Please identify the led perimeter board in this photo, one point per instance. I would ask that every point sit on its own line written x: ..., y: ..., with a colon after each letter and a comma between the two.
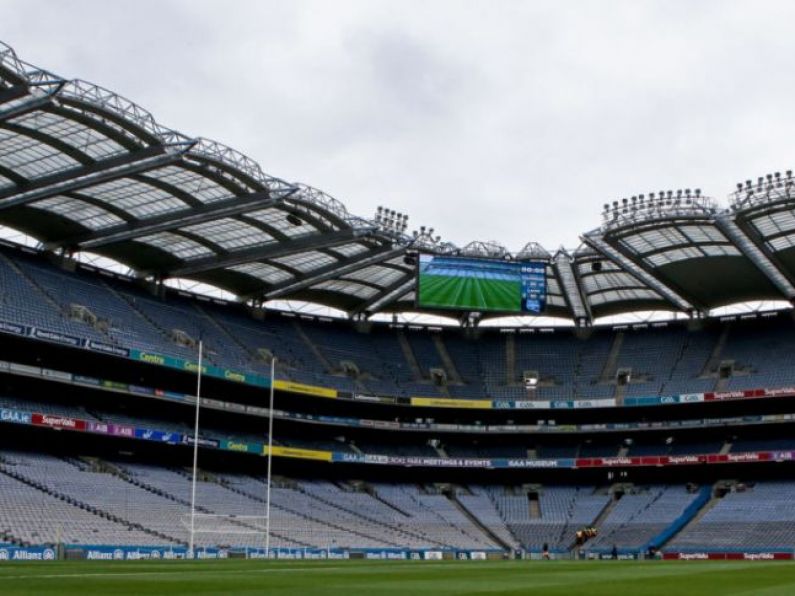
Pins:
x: 462, y: 283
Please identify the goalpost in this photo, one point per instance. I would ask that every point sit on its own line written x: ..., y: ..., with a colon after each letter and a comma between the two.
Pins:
x: 228, y: 524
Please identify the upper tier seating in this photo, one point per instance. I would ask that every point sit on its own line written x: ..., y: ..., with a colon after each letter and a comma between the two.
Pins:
x: 662, y: 360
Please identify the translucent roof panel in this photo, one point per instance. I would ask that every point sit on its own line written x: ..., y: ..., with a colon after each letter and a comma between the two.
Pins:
x: 179, y: 246
x: 277, y: 219
x: 30, y: 158
x: 664, y: 245
x: 347, y: 287
x: 201, y: 187
x: 318, y: 214
x: 83, y: 138
x: 306, y: 261
x: 350, y: 250
x: 86, y: 214
x: 139, y: 199
x: 777, y: 229
x: 613, y: 279
x: 556, y: 300
x: 381, y: 276
x: 651, y: 240
x: 263, y: 272
x: 691, y: 252
x: 782, y: 242
x: 230, y: 233
x: 703, y: 234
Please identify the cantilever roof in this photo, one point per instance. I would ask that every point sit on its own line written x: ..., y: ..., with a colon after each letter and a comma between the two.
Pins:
x: 85, y: 170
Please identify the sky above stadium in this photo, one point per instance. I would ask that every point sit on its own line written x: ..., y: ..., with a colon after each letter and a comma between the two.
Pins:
x: 513, y: 121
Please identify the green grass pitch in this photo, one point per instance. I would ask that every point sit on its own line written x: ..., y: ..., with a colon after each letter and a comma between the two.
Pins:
x: 384, y: 578
x: 474, y: 293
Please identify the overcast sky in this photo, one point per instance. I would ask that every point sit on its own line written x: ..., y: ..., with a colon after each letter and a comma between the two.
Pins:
x: 502, y: 120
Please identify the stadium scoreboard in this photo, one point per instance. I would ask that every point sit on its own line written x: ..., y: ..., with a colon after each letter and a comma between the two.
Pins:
x: 477, y: 284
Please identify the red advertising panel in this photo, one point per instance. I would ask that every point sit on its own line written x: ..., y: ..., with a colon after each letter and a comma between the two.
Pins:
x: 58, y: 422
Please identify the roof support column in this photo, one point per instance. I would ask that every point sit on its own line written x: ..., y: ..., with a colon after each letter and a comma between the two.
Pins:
x: 571, y: 288
x: 750, y: 249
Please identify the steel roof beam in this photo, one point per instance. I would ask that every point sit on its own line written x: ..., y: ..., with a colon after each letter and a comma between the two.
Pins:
x: 570, y: 287
x: 271, y: 250
x: 389, y: 294
x: 332, y: 271
x: 627, y: 263
x: 165, y: 222
x: 756, y: 253
x: 89, y: 175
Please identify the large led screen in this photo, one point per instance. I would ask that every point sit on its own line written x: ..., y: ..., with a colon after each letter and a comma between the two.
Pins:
x: 474, y: 284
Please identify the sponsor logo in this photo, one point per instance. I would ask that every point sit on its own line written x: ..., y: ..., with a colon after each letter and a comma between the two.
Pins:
x: 99, y: 427
x: 99, y: 346
x: 693, y: 556
x: 532, y: 463
x: 21, y: 554
x: 152, y: 358
x: 56, y: 337
x: 531, y: 405
x: 122, y: 431
x: 58, y: 422
x: 194, y: 367
x: 201, y: 441
x: 231, y: 375
x: 12, y: 328
x: 684, y: 459
x: 758, y: 556
x: 743, y: 457
x: 616, y: 461
x: 668, y: 399
x: 15, y: 416
x: 232, y: 446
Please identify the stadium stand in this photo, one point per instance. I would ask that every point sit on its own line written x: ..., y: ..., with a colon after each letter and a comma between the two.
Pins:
x: 662, y: 360
x: 92, y: 184
x: 750, y: 516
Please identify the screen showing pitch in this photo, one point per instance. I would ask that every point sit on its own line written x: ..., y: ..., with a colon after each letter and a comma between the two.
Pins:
x: 481, y: 284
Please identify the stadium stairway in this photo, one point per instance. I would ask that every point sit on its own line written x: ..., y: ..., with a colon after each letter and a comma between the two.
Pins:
x: 313, y: 349
x: 715, y: 495
x: 680, y: 356
x: 711, y: 365
x: 453, y: 497
x: 603, y: 514
x: 86, y: 506
x: 408, y: 354
x: 449, y: 365
x: 611, y: 364
x: 33, y: 283
x: 510, y: 359
x: 224, y: 331
x: 148, y: 321
x: 696, y: 509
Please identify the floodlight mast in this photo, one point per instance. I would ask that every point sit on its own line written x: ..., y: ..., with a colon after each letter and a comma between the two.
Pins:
x: 270, y: 459
x: 195, y: 452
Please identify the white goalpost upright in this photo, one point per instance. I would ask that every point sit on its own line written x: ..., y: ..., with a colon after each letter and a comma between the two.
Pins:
x: 229, y: 524
x: 195, y: 452
x: 270, y: 459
